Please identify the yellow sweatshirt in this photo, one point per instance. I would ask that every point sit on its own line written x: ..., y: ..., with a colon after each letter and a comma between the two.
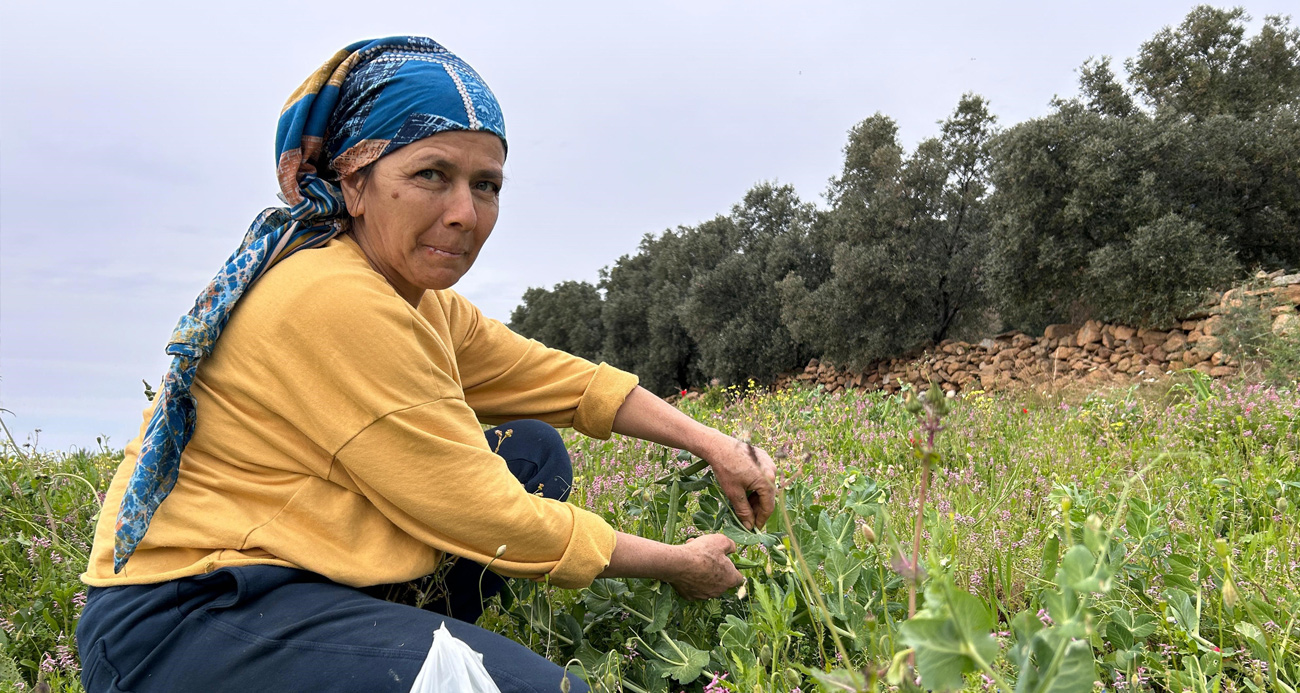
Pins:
x: 338, y: 432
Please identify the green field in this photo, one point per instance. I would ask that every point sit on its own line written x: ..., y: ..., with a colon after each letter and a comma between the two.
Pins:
x: 1146, y: 537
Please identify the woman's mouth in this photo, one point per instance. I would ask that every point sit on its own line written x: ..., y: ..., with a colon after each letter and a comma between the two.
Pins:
x: 443, y: 253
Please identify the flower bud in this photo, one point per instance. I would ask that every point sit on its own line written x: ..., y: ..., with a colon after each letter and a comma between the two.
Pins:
x: 501, y: 551
x: 1221, y: 548
x: 1229, y: 594
x: 868, y: 534
x: 1066, y: 504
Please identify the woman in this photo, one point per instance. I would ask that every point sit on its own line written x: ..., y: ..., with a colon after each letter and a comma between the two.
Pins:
x: 323, y: 440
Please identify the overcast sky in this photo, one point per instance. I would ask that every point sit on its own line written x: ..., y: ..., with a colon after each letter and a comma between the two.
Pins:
x: 136, y: 140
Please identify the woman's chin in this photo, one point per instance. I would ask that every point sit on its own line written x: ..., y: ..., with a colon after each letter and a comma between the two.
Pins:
x: 444, y: 279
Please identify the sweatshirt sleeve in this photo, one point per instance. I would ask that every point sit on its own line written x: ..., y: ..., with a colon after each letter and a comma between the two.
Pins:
x: 428, y: 469
x: 506, y: 376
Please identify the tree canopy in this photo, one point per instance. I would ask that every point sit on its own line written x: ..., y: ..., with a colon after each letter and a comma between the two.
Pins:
x: 1122, y: 203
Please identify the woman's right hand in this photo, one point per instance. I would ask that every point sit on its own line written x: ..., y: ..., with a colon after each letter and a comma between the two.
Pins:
x: 698, y: 569
x: 701, y: 569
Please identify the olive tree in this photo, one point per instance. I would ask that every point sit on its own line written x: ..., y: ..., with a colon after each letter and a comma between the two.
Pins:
x: 567, y: 317
x: 906, y: 235
x: 733, y: 309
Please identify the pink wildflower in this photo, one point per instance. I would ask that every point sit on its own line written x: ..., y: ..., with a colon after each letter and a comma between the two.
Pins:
x: 715, y: 686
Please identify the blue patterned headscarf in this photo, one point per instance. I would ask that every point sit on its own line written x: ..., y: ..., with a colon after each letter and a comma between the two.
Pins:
x: 368, y: 100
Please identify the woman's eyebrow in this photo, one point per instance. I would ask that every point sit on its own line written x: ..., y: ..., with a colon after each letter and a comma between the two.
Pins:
x: 449, y: 167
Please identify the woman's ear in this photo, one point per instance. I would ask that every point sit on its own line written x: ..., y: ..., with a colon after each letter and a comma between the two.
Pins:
x: 354, y: 186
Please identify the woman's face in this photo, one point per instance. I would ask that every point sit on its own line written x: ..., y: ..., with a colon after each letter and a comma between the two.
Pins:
x: 427, y: 208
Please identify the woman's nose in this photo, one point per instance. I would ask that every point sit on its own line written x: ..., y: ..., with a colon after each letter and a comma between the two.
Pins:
x: 460, y: 212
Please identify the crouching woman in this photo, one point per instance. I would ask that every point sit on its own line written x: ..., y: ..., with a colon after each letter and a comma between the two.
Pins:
x: 317, y: 437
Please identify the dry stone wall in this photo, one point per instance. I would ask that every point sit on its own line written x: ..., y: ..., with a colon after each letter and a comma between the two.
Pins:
x: 1089, y: 353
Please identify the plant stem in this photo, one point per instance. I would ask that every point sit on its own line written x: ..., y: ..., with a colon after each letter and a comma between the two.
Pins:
x: 916, y: 538
x: 811, y: 581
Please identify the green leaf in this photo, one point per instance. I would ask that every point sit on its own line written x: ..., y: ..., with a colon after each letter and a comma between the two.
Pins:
x: 855, y: 620
x: 1025, y: 625
x: 948, y: 645
x: 1119, y: 631
x: 663, y: 609
x: 1181, y: 565
x: 1094, y: 537
x: 1179, y: 581
x: 1143, y: 626
x: 1126, y: 629
x: 8, y: 670
x: 1051, y: 557
x: 1138, y: 519
x: 1076, y: 568
x: 568, y: 626
x: 682, y: 662
x: 842, y: 569
x: 603, y: 596
x: 1180, y: 606
x: 590, y: 658
x: 735, y: 634
x: 898, y: 667
x: 835, y: 532
x: 1254, y: 639
x: 838, y: 680
x: 709, y: 524
x: 742, y: 536
x: 1064, y: 665
x: 940, y: 658
x: 809, y: 543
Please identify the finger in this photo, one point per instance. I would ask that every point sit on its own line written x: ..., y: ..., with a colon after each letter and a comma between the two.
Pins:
x: 756, y: 507
x: 730, y: 546
x: 765, y: 504
x: 740, y: 503
x: 737, y: 580
x: 731, y: 579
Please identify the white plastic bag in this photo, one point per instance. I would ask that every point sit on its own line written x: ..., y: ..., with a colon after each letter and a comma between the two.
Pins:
x: 452, y: 667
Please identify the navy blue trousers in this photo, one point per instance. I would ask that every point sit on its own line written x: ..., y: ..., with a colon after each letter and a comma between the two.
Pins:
x: 269, y: 628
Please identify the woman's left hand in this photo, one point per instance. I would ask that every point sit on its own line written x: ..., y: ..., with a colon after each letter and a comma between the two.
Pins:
x: 747, y: 476
x: 745, y: 473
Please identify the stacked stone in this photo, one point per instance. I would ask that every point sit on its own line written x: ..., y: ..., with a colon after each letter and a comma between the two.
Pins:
x: 1090, y: 353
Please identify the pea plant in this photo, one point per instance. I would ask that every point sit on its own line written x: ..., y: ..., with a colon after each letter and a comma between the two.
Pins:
x: 1140, y: 539
x: 638, y: 635
x: 857, y: 585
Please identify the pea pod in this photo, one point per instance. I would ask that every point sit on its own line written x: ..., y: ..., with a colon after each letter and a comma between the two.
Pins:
x: 674, y: 499
x: 696, y: 468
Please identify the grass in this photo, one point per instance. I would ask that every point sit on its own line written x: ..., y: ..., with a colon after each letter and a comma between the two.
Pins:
x: 1180, y: 466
